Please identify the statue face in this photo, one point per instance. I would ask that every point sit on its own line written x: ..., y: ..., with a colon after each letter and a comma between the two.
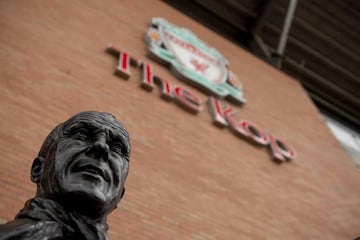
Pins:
x: 87, y: 165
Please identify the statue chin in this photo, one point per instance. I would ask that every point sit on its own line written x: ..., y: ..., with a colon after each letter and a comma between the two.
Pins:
x: 84, y: 197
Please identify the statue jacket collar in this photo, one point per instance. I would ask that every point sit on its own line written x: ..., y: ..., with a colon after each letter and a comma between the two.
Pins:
x: 46, y: 219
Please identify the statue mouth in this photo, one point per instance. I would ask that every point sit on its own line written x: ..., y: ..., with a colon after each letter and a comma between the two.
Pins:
x: 91, y: 169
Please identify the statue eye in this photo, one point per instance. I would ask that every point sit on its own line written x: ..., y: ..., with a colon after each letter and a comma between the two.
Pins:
x: 81, y: 134
x: 117, y: 147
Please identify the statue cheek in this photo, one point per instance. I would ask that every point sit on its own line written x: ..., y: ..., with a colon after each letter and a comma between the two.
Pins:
x: 124, y: 170
x: 68, y: 149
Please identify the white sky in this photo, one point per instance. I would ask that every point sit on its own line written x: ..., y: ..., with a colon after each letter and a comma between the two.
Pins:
x: 345, y: 135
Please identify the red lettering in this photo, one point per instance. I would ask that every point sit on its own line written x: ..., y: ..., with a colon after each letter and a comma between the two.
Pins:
x: 217, y: 112
x: 280, y: 150
x: 147, y: 77
x: 222, y: 116
x: 165, y: 88
x: 254, y: 133
x: 124, y: 61
x: 148, y: 80
x: 187, y: 100
x: 235, y: 127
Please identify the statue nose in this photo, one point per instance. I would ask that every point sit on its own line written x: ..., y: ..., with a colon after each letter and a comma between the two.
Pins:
x: 100, y: 149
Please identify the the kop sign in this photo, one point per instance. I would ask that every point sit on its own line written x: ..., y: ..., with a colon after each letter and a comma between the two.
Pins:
x: 194, y: 62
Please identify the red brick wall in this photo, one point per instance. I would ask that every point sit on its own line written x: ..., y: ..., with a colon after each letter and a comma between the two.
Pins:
x: 188, y: 178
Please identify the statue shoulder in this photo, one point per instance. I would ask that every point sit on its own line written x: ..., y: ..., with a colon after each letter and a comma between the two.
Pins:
x: 28, y: 229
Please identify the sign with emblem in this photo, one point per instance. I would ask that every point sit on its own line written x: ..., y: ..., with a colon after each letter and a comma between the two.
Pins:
x: 202, y: 66
x: 192, y: 60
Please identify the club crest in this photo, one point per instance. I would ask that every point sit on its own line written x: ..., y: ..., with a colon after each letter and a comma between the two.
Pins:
x: 192, y: 60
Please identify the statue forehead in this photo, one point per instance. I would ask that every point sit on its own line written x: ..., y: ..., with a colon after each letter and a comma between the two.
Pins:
x: 95, y: 119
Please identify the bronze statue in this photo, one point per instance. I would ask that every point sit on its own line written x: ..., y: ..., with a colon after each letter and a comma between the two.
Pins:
x: 80, y: 173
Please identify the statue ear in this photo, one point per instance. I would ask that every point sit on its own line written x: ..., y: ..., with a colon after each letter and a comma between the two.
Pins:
x: 121, y: 196
x: 123, y: 192
x: 37, y: 169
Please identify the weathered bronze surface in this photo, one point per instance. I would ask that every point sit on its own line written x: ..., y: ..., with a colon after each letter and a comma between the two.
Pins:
x: 80, y: 173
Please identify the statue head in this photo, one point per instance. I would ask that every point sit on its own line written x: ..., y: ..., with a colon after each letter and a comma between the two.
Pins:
x: 83, y: 164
